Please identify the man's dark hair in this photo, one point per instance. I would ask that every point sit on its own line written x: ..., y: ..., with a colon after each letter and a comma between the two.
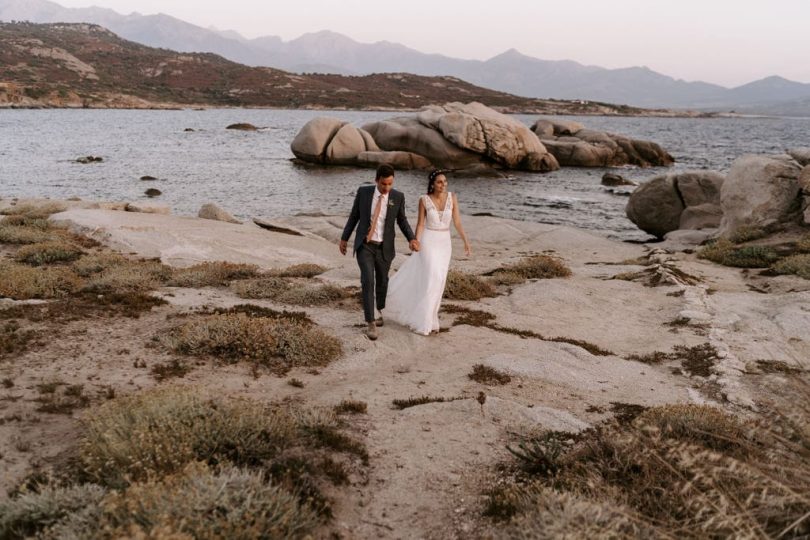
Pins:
x: 384, y: 171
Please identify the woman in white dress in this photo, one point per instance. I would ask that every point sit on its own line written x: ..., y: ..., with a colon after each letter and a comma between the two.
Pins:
x: 415, y: 292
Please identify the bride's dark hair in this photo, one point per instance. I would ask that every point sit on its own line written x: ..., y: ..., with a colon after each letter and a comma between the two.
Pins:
x: 434, y: 174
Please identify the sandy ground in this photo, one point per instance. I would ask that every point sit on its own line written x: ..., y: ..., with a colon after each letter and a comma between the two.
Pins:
x: 430, y: 463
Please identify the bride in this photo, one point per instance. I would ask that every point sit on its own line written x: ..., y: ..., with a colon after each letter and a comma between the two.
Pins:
x: 415, y: 292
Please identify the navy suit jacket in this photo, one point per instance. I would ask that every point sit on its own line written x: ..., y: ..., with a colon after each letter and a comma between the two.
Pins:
x: 360, y: 217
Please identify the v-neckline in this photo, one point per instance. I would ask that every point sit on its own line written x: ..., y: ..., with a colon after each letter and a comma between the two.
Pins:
x: 434, y: 204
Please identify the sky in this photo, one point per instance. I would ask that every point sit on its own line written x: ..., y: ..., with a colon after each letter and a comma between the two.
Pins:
x: 726, y: 42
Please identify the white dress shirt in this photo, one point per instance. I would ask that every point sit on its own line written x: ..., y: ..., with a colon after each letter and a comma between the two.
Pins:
x: 378, y: 231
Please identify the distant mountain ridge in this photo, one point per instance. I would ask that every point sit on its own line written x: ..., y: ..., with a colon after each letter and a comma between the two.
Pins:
x: 86, y: 65
x: 511, y: 71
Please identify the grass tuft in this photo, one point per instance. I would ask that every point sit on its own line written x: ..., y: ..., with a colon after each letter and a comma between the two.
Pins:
x: 534, y: 267
x: 414, y: 401
x: 170, y: 370
x: 488, y: 375
x: 22, y: 282
x: 348, y: 406
x: 798, y: 265
x: 724, y: 252
x: 464, y: 286
x: 304, y: 270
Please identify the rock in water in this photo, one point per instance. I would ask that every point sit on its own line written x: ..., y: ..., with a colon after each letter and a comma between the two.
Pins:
x: 90, y: 159
x: 659, y: 205
x: 243, y: 127
x: 311, y: 142
x: 148, y: 178
x: 212, y: 211
x: 613, y: 180
x: 152, y: 192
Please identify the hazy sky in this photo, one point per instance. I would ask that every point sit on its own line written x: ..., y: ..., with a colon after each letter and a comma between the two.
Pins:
x: 728, y: 42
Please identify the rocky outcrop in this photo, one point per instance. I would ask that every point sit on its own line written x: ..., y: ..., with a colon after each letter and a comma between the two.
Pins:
x: 687, y: 200
x: 455, y: 136
x: 801, y: 155
x: 575, y: 146
x: 331, y: 141
x: 804, y: 183
x: 614, y: 180
x: 212, y: 211
x: 761, y: 192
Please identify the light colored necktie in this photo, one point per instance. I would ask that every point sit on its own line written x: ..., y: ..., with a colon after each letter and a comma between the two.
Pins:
x: 373, y: 228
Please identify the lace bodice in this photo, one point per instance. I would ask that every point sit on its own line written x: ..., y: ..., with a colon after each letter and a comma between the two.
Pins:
x: 437, y: 219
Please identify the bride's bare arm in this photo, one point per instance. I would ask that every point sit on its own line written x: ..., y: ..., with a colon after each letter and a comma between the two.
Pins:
x: 459, y: 228
x: 420, y: 221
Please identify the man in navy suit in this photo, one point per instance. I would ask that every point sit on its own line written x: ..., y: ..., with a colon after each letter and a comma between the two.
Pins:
x: 374, y: 211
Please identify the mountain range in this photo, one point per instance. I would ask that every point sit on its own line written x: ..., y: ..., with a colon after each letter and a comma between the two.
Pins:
x: 511, y: 71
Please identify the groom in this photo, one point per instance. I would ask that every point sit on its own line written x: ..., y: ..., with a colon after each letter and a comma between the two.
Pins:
x: 373, y: 213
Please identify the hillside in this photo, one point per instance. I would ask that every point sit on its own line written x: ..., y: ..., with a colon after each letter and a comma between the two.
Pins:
x: 85, y: 65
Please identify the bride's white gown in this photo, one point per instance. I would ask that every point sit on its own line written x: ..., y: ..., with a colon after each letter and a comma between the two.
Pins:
x: 415, y: 292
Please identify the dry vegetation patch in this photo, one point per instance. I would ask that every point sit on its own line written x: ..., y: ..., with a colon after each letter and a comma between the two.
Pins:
x: 48, y: 253
x: 14, y: 340
x: 414, y: 401
x: 172, y: 463
x: 22, y: 282
x: 303, y: 270
x: 132, y: 276
x: 349, y: 406
x: 725, y: 252
x: 277, y: 343
x: 534, y: 267
x: 488, y: 375
x: 685, y: 471
x: 798, y: 265
x: 211, y: 274
x: 464, y: 286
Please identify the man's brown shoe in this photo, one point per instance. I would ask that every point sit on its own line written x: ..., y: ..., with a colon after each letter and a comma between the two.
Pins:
x: 371, y: 331
x: 379, y: 322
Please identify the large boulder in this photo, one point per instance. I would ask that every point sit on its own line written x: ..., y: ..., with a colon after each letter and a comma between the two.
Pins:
x: 575, y: 146
x: 804, y: 184
x: 398, y: 160
x: 345, y: 145
x: 801, y: 155
x: 503, y: 139
x: 761, y: 192
x: 409, y: 135
x: 686, y: 200
x: 311, y: 142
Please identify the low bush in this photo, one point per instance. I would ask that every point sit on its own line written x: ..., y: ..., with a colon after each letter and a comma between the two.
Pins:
x: 348, y: 406
x: 803, y: 244
x: 312, y: 295
x: 276, y: 343
x: 158, y: 432
x: 464, y: 286
x: 98, y: 262
x: 747, y: 234
x: 304, y: 270
x: 211, y: 274
x: 687, y: 471
x: 22, y: 282
x: 131, y: 277
x: 13, y: 340
x: 32, y: 512
x: 724, y: 252
x: 266, y: 287
x: 24, y: 221
x: 15, y: 234
x: 47, y: 253
x: 798, y: 265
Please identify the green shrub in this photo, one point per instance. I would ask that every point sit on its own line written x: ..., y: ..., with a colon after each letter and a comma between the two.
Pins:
x: 795, y: 264
x: 22, y: 282
x: 158, y: 432
x: 464, y: 286
x: 47, y: 253
x: 214, y: 274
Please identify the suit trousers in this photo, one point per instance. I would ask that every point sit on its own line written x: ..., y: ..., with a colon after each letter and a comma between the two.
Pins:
x: 373, y: 277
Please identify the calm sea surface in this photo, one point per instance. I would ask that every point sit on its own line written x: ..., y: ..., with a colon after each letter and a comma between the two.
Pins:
x: 250, y: 173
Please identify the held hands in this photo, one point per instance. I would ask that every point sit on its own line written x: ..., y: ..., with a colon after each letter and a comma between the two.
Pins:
x: 414, y: 245
x: 342, y: 246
